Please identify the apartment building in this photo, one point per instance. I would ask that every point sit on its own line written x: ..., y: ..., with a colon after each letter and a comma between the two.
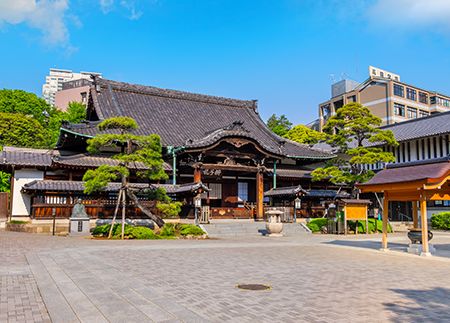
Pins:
x: 386, y: 96
x: 54, y: 82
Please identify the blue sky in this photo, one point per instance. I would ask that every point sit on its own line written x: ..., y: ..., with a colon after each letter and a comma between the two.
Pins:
x: 285, y: 53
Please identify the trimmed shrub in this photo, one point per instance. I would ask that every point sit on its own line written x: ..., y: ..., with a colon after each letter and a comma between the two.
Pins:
x: 372, y: 229
x: 141, y: 233
x: 189, y: 229
x: 441, y: 221
x: 169, y: 210
x: 315, y: 225
x: 101, y: 230
x: 168, y: 230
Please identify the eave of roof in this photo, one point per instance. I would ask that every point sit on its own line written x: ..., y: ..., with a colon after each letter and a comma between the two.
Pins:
x: 182, y: 117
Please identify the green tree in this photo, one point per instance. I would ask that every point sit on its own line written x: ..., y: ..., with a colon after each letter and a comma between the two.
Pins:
x: 5, y: 181
x: 349, y: 131
x: 304, y: 135
x: 20, y: 130
x: 280, y: 125
x: 76, y: 112
x: 49, y: 118
x: 133, y: 148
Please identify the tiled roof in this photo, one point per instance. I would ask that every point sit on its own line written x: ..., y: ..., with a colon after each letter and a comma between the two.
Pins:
x: 295, y: 190
x: 433, y: 125
x: 284, y: 191
x: 43, y: 158
x: 88, y: 161
x: 356, y: 201
x: 78, y: 186
x: 51, y: 158
x: 284, y: 171
x: 187, y: 119
x: 410, y: 173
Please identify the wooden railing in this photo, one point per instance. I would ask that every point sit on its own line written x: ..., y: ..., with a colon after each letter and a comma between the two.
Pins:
x: 100, y: 208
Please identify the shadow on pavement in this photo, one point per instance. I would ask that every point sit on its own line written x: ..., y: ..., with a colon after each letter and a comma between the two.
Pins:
x: 367, y: 244
x: 429, y: 305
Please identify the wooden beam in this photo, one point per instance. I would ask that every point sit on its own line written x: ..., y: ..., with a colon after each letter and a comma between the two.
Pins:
x: 424, y: 224
x: 384, y: 243
x: 259, y: 196
x: 415, y: 215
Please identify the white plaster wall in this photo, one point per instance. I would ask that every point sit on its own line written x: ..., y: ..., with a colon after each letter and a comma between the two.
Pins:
x: 21, y: 204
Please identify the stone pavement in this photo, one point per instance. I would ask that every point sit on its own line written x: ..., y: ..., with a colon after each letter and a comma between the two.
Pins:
x: 313, y: 279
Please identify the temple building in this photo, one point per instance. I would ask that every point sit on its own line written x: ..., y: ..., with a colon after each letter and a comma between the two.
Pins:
x: 215, y: 148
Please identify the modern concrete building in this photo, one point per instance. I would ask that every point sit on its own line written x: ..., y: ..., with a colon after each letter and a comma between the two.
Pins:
x: 72, y: 91
x: 54, y: 82
x: 386, y: 96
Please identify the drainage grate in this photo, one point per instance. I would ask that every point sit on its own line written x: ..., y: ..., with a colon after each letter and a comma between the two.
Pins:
x: 253, y: 286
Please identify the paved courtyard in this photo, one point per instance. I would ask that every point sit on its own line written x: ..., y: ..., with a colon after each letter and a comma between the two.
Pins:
x: 313, y: 279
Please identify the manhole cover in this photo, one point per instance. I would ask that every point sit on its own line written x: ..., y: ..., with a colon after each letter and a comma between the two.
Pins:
x: 253, y: 286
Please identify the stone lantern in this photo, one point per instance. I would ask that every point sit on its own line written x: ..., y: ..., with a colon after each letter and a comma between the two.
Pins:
x: 274, y: 226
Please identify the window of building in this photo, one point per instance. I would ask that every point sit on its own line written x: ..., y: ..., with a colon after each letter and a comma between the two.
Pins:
x: 382, y: 74
x: 443, y: 102
x: 434, y: 146
x: 423, y: 114
x: 242, y: 191
x: 411, y: 94
x: 326, y: 111
x: 423, y: 149
x: 374, y: 72
x: 351, y: 98
x: 412, y: 113
x: 399, y: 109
x: 417, y: 150
x: 429, y: 148
x: 399, y: 90
x: 215, y: 191
x: 408, y: 149
x: 423, y: 97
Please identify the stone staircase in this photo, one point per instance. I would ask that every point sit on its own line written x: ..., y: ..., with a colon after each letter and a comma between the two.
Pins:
x: 398, y: 226
x: 239, y: 228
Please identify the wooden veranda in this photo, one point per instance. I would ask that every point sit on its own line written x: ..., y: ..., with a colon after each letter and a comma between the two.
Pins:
x: 417, y: 183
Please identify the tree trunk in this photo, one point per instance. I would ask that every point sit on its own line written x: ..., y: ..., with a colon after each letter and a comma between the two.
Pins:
x: 116, y: 210
x: 155, y: 218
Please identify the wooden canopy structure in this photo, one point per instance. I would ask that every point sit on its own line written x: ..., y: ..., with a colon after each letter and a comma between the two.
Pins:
x: 416, y: 183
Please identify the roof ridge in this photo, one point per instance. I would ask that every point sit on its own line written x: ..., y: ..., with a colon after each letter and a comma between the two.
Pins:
x: 151, y: 90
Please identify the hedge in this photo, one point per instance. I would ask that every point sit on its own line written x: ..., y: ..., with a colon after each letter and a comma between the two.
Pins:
x: 441, y: 221
x: 315, y: 225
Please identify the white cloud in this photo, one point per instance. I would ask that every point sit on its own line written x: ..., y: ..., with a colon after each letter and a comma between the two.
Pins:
x: 106, y: 5
x: 130, y: 7
x: 45, y: 15
x: 412, y: 13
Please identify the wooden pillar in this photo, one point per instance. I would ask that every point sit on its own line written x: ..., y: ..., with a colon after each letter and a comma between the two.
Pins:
x: 424, y: 225
x: 259, y: 195
x: 415, y: 215
x: 197, y: 175
x: 384, y: 243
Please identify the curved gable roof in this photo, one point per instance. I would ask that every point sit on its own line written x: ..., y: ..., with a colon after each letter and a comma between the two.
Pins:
x: 184, y: 119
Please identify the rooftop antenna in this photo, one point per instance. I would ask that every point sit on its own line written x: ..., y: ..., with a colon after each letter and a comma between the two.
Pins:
x: 333, y: 78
